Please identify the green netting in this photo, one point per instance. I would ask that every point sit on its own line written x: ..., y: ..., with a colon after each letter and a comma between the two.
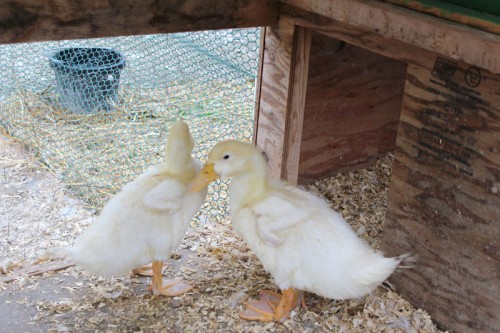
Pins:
x: 97, y: 111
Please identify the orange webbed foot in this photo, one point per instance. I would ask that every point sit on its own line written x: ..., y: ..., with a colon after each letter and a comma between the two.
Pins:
x: 147, y: 270
x: 167, y: 287
x: 273, y: 306
x: 170, y: 287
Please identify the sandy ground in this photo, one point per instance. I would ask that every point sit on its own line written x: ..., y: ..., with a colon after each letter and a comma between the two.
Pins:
x: 39, y: 218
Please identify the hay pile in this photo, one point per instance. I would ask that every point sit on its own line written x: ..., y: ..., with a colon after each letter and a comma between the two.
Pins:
x: 96, y: 154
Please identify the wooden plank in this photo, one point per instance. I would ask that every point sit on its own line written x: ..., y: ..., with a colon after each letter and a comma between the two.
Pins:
x: 282, y: 96
x: 365, y: 39
x: 391, y: 22
x: 352, y: 108
x: 273, y: 94
x: 485, y: 6
x: 478, y: 18
x: 296, y: 104
x: 444, y: 197
x: 33, y: 20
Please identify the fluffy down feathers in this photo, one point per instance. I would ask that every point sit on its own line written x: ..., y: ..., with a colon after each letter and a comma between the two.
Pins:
x: 147, y: 219
x: 306, y: 245
x: 299, y: 239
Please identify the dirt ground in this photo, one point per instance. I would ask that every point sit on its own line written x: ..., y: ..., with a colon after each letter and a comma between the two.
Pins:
x: 39, y: 218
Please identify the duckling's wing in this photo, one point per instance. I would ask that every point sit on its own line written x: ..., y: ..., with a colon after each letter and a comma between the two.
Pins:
x: 166, y: 195
x: 275, y: 213
x: 266, y: 233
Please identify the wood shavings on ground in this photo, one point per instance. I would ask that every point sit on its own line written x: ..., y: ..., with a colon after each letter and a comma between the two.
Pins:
x: 37, y: 216
x: 223, y: 270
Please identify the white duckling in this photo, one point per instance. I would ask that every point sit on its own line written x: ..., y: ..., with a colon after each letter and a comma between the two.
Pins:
x: 300, y: 240
x: 147, y: 219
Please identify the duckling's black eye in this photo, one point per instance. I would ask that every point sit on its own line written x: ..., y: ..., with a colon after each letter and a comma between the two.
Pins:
x: 226, y: 157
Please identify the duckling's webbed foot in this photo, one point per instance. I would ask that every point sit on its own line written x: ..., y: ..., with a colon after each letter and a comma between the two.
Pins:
x: 168, y: 287
x: 272, y: 306
x: 147, y: 270
x: 262, y: 309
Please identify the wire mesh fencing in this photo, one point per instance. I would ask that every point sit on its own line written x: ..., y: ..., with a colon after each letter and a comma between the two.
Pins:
x: 97, y: 111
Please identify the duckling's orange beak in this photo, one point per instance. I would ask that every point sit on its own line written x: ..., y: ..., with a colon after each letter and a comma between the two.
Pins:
x: 205, y: 177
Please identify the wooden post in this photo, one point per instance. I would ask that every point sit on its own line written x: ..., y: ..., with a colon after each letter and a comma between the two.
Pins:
x: 281, y: 97
x: 444, y: 197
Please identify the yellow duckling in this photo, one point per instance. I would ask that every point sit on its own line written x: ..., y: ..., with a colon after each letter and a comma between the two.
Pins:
x: 147, y: 219
x: 300, y: 240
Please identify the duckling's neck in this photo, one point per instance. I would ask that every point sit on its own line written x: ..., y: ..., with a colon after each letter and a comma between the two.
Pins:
x: 246, y: 189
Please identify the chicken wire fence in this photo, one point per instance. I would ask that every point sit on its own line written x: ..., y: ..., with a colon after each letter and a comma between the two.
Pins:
x: 97, y: 111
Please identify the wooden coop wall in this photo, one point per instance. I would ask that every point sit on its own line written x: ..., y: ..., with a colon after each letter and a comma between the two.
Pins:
x: 320, y: 109
x: 352, y: 107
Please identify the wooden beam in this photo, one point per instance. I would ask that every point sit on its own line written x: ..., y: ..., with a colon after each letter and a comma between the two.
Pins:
x: 395, y: 24
x: 282, y: 96
x: 34, y: 20
x: 362, y: 38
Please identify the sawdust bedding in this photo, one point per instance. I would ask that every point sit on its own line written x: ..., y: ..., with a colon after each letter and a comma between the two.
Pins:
x: 39, y: 218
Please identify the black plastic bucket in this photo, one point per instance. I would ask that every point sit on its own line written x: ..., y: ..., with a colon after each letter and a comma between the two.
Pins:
x: 87, y: 79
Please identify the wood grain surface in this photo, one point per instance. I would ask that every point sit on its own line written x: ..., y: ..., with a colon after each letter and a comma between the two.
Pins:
x: 33, y: 20
x: 281, y: 97
x: 394, y: 24
x: 444, y: 197
x: 463, y: 14
x: 352, y: 108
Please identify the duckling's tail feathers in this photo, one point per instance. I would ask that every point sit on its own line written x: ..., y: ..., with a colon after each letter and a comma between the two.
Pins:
x: 406, y: 261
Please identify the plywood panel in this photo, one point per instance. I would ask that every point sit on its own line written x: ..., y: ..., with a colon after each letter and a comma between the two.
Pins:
x: 34, y: 20
x: 444, y: 197
x: 352, y: 107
